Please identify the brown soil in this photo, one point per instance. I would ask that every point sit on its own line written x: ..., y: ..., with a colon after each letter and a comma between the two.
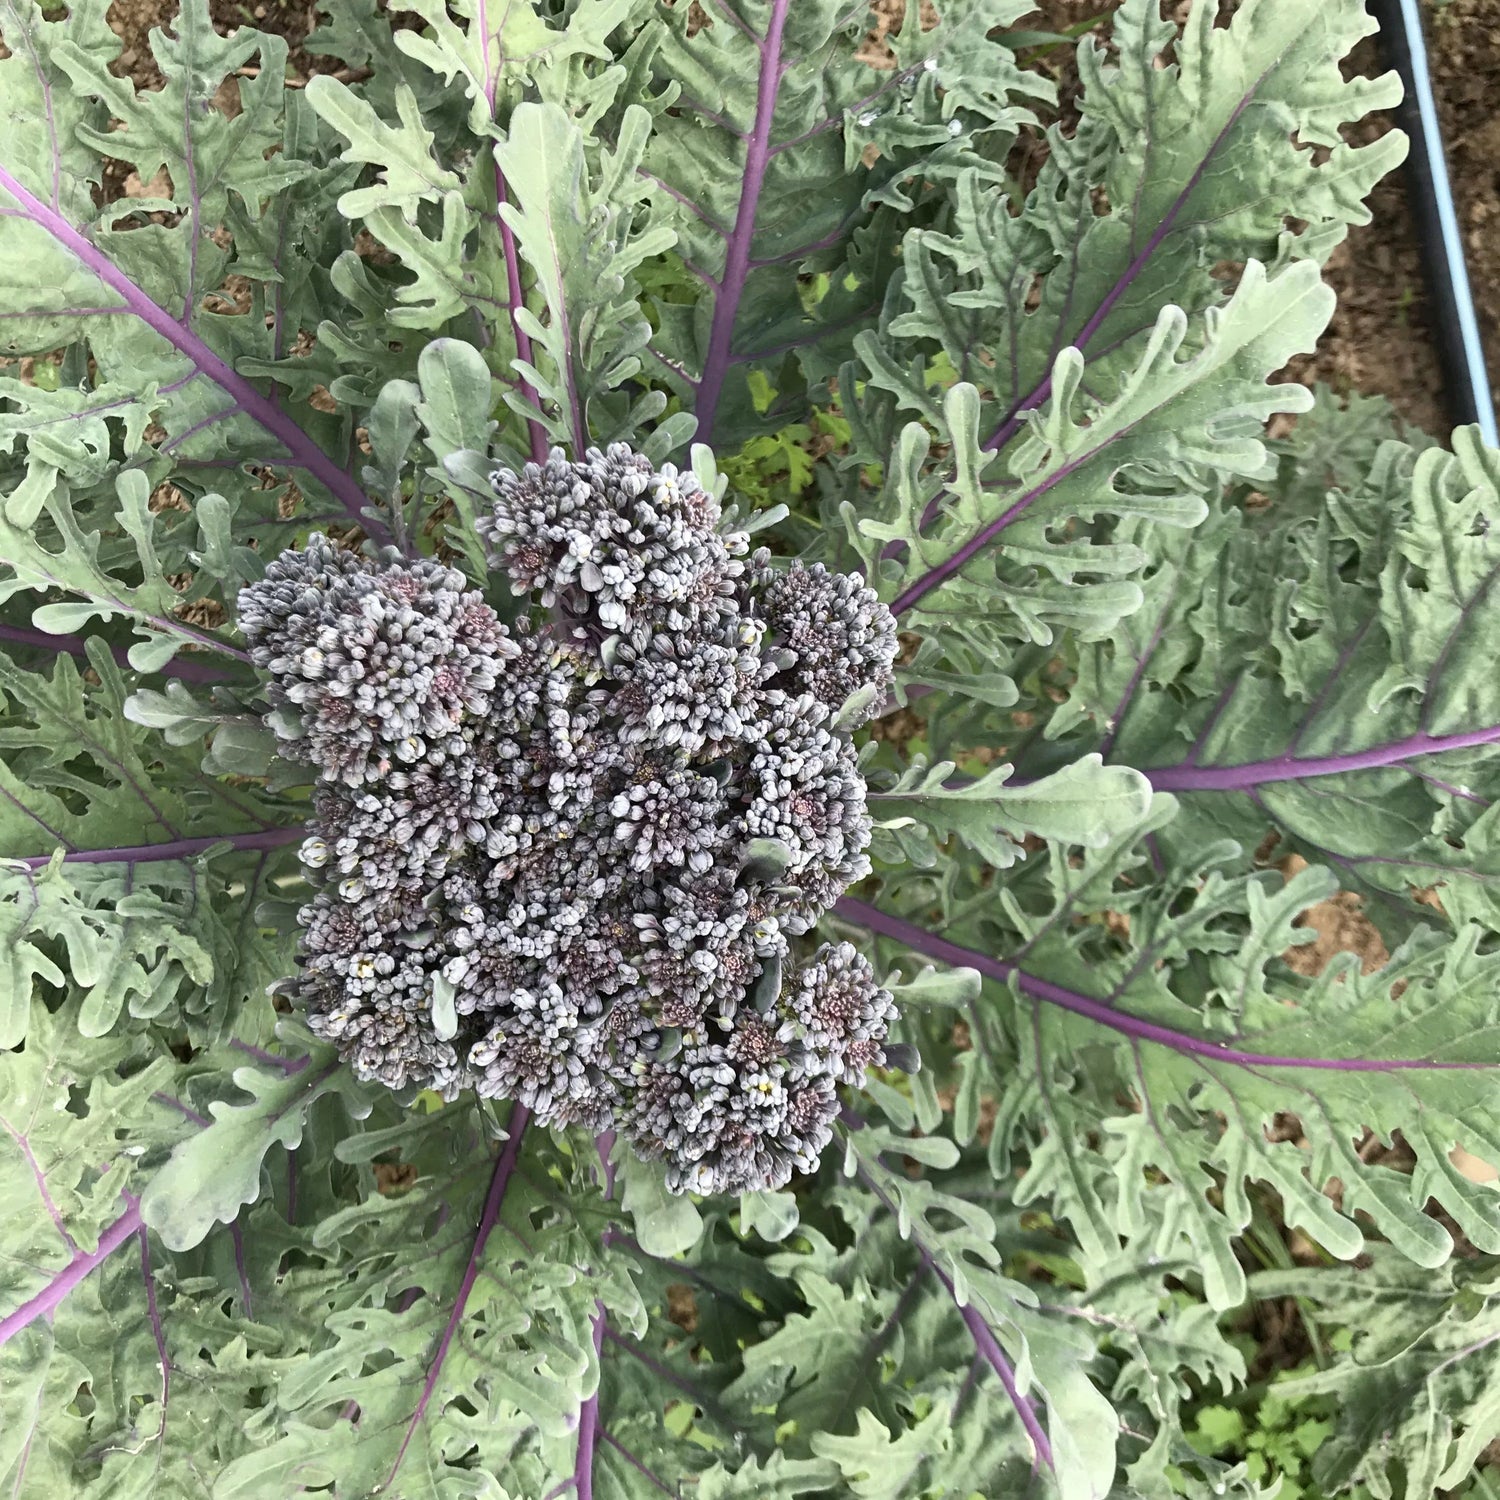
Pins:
x: 1341, y: 927
x: 133, y: 20
x: 1464, y: 36
x: 393, y: 1178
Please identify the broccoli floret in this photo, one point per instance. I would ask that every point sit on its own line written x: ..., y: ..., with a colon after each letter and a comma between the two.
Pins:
x: 570, y: 863
x: 838, y: 635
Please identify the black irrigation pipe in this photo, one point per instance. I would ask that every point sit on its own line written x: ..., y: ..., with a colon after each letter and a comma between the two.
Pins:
x: 1455, y: 324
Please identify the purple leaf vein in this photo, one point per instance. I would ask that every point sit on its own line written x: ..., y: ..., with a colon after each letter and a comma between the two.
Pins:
x: 945, y: 951
x: 299, y: 446
x: 737, y: 251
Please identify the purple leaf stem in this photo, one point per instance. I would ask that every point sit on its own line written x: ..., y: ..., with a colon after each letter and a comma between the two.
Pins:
x: 676, y: 368
x: 184, y: 1110
x: 290, y: 1066
x: 41, y: 1182
x: 734, y: 18
x: 588, y: 1421
x: 505, y: 1168
x: 299, y: 445
x: 1334, y: 678
x: 693, y: 107
x: 1453, y: 791
x: 615, y: 1236
x: 537, y: 434
x: 47, y: 1301
x: 1217, y: 712
x: 1193, y: 778
x: 1017, y: 414
x: 237, y: 1235
x: 205, y: 638
x: 711, y: 282
x: 693, y: 208
x: 982, y: 1334
x: 40, y: 822
x: 737, y: 250
x: 665, y: 1373
x: 872, y: 1350
x: 858, y: 107
x: 960, y: 559
x: 1117, y: 718
x: 821, y: 331
x: 157, y: 1331
x: 604, y: 1146
x: 508, y: 245
x: 588, y: 1416
x: 803, y: 251
x: 187, y: 668
x: 989, y: 1346
x: 130, y: 854
x: 636, y: 1464
x: 919, y: 940
x: 212, y: 419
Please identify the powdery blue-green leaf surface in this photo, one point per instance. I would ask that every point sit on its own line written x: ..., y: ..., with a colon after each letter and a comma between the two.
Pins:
x: 1161, y: 1043
x: 214, y: 1173
x: 164, y: 344
x: 578, y: 238
x: 1085, y: 803
x: 789, y: 150
x: 1138, y: 374
x: 1340, y: 691
x: 1151, y: 652
x: 1416, y: 1400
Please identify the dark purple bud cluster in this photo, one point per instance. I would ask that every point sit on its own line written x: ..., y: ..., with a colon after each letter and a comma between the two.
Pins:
x: 572, y: 863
